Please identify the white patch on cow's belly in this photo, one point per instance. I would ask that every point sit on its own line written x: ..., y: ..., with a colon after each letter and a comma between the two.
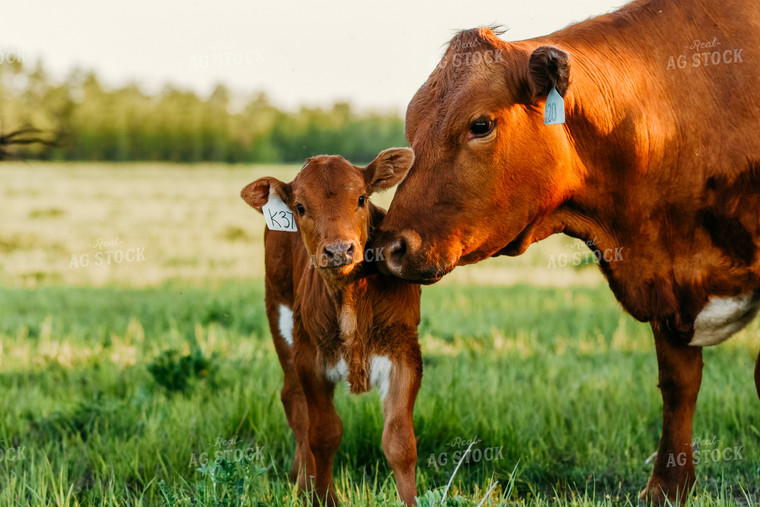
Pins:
x: 286, y: 323
x: 380, y: 374
x: 338, y: 372
x: 722, y: 317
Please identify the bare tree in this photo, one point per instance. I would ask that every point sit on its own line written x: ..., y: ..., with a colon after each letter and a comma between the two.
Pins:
x: 23, y: 136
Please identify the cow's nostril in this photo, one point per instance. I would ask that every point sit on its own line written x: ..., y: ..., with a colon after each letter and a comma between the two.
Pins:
x: 396, y: 252
x: 401, y: 252
x: 350, y: 251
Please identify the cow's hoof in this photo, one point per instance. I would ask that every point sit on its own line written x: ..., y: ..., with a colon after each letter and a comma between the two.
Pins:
x: 650, y: 497
x: 654, y: 494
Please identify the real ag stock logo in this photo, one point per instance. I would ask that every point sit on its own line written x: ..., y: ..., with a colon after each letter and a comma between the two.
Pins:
x: 581, y: 256
x: 107, y: 252
x: 704, y: 54
x: 228, y: 450
x: 12, y: 453
x: 227, y: 53
x: 707, y: 450
x: 464, y: 451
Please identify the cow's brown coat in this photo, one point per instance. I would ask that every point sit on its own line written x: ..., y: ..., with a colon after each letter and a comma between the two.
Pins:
x: 661, y: 163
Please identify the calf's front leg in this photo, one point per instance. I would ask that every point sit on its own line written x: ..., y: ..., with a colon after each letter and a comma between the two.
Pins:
x: 399, y: 443
x: 680, y: 377
x: 325, y: 426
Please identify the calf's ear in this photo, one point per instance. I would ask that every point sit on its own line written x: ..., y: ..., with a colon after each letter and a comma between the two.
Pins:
x: 388, y: 168
x: 258, y: 192
x: 548, y: 67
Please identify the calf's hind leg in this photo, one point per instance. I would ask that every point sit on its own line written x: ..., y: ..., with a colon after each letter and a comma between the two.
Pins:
x: 296, y: 410
x: 325, y: 426
x: 292, y: 396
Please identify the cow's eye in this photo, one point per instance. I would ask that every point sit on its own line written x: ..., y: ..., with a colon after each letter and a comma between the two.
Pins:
x: 301, y: 210
x: 482, y: 127
x: 361, y: 201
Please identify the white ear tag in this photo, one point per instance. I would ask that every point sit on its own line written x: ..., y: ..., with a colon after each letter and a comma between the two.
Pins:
x: 554, y: 111
x: 278, y: 216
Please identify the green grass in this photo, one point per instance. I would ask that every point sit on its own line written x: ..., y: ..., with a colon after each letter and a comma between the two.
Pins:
x: 115, y: 394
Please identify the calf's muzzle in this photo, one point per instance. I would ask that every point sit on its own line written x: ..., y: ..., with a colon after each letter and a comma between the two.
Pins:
x: 336, y: 254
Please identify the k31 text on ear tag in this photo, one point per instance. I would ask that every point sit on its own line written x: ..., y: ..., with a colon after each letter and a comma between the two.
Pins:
x: 554, y: 112
x: 278, y: 216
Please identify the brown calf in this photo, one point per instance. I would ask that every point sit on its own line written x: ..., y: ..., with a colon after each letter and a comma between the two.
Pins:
x: 658, y: 160
x: 331, y: 319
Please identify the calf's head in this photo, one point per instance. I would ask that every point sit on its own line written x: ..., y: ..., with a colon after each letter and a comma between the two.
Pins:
x: 329, y: 199
x: 486, y: 167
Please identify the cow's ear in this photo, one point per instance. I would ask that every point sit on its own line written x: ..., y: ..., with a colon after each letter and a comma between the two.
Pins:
x: 388, y: 168
x: 548, y: 67
x: 257, y: 193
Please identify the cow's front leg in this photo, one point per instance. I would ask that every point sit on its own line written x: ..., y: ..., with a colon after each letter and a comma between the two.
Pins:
x: 399, y: 443
x: 680, y: 377
x: 325, y: 426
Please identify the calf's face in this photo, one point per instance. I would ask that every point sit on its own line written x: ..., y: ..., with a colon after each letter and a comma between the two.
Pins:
x: 329, y: 199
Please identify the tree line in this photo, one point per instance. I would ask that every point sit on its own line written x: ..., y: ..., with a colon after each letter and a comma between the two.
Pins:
x: 80, y: 119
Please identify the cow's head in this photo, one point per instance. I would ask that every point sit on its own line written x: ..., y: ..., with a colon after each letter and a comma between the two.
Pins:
x: 329, y: 199
x: 486, y: 167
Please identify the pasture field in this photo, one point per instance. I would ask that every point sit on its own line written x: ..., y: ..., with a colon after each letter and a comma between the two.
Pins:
x: 154, y: 381
x: 191, y: 223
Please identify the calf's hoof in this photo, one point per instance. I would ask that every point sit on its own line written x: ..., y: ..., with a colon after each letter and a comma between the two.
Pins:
x: 330, y: 500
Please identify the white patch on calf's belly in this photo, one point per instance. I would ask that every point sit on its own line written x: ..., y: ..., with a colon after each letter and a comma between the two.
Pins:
x: 722, y: 317
x: 285, y: 322
x: 380, y: 374
x: 338, y: 372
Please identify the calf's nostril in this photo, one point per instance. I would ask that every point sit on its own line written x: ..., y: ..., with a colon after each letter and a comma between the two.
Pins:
x: 338, y: 253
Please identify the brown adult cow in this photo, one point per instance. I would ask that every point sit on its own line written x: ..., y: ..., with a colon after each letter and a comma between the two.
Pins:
x: 659, y: 155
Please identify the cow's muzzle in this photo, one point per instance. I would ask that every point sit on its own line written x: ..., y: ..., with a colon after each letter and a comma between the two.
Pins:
x: 404, y: 257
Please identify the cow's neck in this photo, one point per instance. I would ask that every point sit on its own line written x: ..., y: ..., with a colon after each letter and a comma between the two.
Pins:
x: 620, y: 156
x: 672, y: 190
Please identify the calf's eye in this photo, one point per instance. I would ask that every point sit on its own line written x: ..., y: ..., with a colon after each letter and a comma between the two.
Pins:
x: 361, y: 201
x: 301, y: 210
x: 482, y: 127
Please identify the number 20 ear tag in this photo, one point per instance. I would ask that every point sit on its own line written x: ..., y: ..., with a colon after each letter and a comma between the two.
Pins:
x: 278, y: 216
x: 554, y: 111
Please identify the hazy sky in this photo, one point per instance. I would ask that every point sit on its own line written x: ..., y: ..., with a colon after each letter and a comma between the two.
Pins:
x: 373, y: 53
